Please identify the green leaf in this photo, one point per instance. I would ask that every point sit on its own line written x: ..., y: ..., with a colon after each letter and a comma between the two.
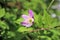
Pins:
x: 36, y: 19
x: 43, y: 5
x: 10, y: 34
x: 2, y: 12
x: 45, y: 38
x: 40, y: 20
x: 2, y: 32
x: 55, y: 32
x: 47, y: 20
x: 25, y: 12
x: 18, y: 21
x: 23, y: 29
x: 3, y: 25
x: 10, y: 16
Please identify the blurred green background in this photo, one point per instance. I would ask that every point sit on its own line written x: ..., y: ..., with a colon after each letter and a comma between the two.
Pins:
x: 46, y: 20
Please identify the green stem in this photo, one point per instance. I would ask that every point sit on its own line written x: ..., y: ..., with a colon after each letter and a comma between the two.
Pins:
x: 50, y: 5
x: 27, y: 37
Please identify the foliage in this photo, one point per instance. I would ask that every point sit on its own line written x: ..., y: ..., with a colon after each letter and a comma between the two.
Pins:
x: 45, y: 27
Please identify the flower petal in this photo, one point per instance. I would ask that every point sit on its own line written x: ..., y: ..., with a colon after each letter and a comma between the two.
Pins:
x: 31, y: 13
x: 26, y: 24
x: 29, y: 25
x: 24, y: 16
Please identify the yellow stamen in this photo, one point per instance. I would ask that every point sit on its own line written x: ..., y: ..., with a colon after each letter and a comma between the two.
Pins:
x: 30, y: 20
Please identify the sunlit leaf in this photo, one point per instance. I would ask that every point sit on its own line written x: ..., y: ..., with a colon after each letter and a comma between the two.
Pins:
x: 24, y: 29
x: 11, y: 34
x: 3, y: 25
x: 2, y: 12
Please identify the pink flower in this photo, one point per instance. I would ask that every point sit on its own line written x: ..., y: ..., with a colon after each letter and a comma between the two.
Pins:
x: 28, y: 19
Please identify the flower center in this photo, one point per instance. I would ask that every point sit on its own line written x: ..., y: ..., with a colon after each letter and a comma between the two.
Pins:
x: 30, y: 20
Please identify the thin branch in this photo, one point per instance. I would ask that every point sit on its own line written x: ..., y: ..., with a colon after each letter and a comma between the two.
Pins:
x: 50, y: 5
x: 38, y: 29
